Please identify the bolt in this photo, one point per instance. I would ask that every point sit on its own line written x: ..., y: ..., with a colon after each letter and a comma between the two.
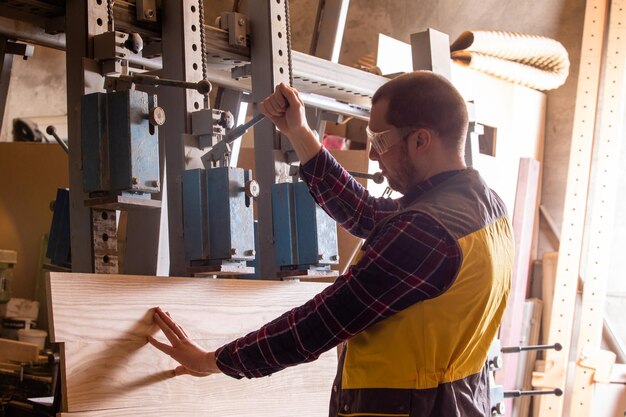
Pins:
x: 252, y: 189
x: 242, y: 21
x: 320, y: 256
x: 241, y: 39
x: 149, y: 13
x: 156, y: 116
x: 334, y: 258
x: 156, y: 183
x: 250, y: 252
x: 233, y: 251
x: 204, y: 87
x: 135, y: 181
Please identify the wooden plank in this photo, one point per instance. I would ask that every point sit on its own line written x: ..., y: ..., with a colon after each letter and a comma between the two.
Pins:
x: 570, y: 248
x: 524, y: 215
x: 601, y: 230
x: 109, y: 369
x: 526, y: 363
x: 549, y: 262
x: 12, y: 350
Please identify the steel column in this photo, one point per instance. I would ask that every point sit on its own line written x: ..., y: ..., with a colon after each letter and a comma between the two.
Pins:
x: 182, y: 60
x: 84, y: 20
x: 270, y: 56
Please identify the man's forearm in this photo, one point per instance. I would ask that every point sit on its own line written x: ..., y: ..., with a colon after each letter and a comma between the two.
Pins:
x: 306, y: 144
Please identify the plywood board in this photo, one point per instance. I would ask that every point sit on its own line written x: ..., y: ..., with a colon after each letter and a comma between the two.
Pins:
x: 109, y: 369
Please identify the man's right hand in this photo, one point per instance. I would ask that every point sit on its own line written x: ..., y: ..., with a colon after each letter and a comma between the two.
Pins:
x: 193, y: 359
x: 286, y: 110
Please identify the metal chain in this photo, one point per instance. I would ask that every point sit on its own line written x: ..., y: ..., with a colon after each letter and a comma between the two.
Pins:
x: 203, y: 47
x: 110, y: 14
x: 202, y: 38
x: 288, y: 36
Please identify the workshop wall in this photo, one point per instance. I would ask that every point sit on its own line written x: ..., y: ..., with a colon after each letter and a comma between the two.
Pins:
x: 30, y: 174
x: 37, y: 89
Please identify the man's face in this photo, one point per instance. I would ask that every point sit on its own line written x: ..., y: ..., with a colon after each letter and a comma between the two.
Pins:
x: 395, y: 164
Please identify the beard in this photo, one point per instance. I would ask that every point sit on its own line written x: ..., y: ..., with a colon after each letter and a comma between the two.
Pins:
x: 403, y: 175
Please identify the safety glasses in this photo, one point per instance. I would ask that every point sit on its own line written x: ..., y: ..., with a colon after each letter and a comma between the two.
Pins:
x: 383, y: 141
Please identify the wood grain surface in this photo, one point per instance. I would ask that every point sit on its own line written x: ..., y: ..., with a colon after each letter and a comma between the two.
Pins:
x: 109, y: 369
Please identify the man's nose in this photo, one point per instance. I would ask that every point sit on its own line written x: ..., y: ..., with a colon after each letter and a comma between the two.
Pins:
x: 373, y: 154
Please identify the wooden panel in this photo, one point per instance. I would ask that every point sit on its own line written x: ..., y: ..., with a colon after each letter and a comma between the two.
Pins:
x: 11, y: 350
x: 109, y: 367
x: 526, y: 209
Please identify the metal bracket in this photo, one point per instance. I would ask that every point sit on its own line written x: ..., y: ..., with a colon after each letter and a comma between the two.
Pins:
x: 243, y: 71
x: 153, y: 49
x: 146, y: 10
x: 109, y: 50
x: 238, y: 28
x: 23, y: 49
x: 431, y: 51
x: 105, y: 251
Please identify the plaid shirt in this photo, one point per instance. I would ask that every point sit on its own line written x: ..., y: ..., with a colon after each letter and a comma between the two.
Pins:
x: 411, y: 260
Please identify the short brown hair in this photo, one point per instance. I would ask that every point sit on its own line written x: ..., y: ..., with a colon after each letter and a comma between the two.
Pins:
x: 426, y: 99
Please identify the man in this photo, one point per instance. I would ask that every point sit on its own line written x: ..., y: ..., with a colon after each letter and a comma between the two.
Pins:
x: 422, y: 305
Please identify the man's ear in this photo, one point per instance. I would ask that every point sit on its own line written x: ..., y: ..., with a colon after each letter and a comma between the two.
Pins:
x: 424, y: 138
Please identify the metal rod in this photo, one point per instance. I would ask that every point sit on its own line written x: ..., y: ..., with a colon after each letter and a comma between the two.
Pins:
x: 202, y: 86
x: 515, y: 349
x: 377, y: 177
x: 517, y: 393
x: 241, y: 129
x: 51, y: 130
